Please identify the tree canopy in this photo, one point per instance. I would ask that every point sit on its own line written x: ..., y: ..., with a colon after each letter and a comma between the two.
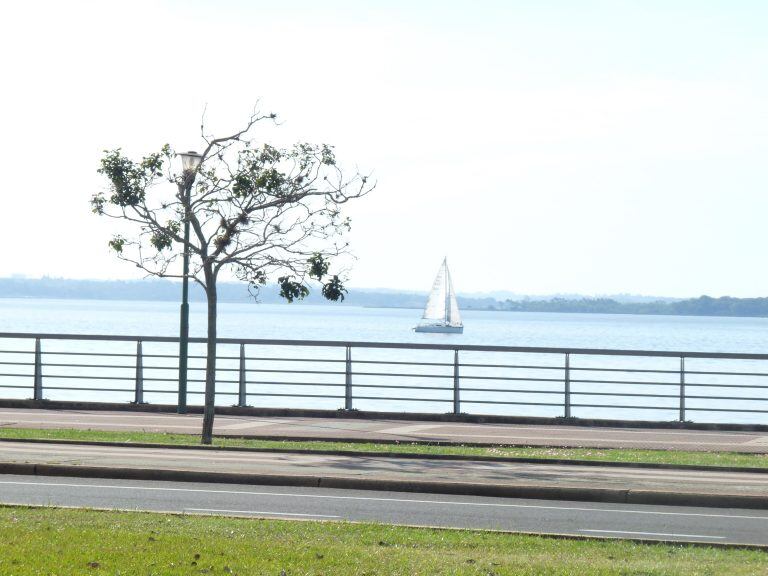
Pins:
x: 261, y: 211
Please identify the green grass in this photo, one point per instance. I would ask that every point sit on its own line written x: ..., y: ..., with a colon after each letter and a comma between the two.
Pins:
x: 50, y: 541
x: 606, y: 455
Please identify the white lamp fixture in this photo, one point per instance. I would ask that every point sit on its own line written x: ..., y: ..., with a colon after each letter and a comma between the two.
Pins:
x: 190, y: 160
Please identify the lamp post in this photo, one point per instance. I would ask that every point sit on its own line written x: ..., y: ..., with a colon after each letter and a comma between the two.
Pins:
x: 190, y: 162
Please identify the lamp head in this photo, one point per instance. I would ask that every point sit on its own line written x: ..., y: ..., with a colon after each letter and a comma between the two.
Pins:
x: 190, y: 161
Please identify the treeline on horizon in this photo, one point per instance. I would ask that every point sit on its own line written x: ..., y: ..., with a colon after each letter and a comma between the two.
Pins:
x: 165, y: 290
x: 702, y: 306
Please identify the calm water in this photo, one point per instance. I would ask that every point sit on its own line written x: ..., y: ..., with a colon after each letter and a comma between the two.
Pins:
x: 394, y: 325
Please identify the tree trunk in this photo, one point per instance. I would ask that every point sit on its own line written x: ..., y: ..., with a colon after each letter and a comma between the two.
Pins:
x: 210, y: 366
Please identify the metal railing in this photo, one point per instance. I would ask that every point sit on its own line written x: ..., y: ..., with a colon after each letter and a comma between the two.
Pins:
x: 564, y: 382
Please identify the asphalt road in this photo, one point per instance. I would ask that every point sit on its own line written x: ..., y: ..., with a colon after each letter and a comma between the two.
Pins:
x: 584, y: 519
x: 392, y: 430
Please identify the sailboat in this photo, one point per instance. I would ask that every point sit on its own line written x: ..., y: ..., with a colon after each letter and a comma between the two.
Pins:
x: 442, y: 312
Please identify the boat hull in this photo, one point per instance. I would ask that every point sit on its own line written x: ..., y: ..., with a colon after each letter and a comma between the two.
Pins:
x: 440, y: 329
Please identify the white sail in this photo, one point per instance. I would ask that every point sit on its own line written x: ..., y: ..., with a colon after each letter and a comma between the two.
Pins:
x: 442, y: 311
x: 453, y: 318
x: 435, y: 309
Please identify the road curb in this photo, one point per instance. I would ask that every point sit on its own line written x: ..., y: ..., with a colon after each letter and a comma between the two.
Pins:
x: 402, y: 455
x: 531, y: 491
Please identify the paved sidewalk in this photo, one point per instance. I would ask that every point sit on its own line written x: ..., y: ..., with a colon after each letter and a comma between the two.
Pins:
x: 391, y: 430
x: 640, y: 485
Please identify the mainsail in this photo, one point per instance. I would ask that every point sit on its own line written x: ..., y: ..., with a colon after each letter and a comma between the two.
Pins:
x: 442, y: 310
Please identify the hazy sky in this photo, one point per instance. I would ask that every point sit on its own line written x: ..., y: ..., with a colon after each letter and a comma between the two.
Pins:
x: 574, y: 146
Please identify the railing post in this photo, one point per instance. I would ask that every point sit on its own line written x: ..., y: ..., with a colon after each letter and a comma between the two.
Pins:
x: 348, y: 380
x: 38, y: 383
x: 139, y: 391
x: 567, y: 390
x: 682, y: 388
x: 456, y: 390
x: 241, y: 396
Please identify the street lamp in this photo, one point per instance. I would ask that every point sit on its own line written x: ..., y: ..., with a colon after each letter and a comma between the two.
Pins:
x: 190, y: 162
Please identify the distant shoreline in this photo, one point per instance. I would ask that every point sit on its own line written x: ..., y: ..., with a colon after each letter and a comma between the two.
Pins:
x: 230, y: 292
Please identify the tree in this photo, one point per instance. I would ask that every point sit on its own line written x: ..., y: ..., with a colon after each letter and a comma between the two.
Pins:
x: 257, y: 211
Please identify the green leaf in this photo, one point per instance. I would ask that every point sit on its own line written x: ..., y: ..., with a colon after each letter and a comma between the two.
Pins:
x: 334, y: 290
x: 291, y: 290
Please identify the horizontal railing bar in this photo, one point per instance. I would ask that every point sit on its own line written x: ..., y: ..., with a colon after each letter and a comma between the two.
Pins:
x: 394, y: 345
x: 16, y: 386
x: 129, y: 355
x: 238, y: 358
x: 687, y: 384
x: 317, y: 384
x: 272, y: 359
x: 189, y: 368
x: 467, y: 401
x: 625, y: 406
x: 635, y: 382
x: 150, y: 367
x: 512, y: 390
x: 403, y: 375
x: 749, y: 398
x: 626, y: 394
x: 294, y: 395
x: 727, y: 373
x: 201, y: 393
x: 192, y: 392
x: 393, y: 362
x: 89, y: 389
x: 639, y: 370
x: 403, y: 387
x: 197, y: 357
x: 58, y: 365
x: 521, y: 366
x: 132, y: 390
x: 84, y: 377
x: 677, y: 384
x: 129, y: 379
x: 17, y: 351
x: 17, y: 363
x: 199, y: 380
x: 403, y: 399
x: 271, y: 383
x: 759, y: 386
x: 55, y: 353
x: 18, y: 375
x: 275, y: 371
x: 203, y: 368
x: 724, y: 410
x: 512, y: 379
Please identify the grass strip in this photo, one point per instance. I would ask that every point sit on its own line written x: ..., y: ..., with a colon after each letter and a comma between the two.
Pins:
x: 70, y: 541
x: 726, y: 459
